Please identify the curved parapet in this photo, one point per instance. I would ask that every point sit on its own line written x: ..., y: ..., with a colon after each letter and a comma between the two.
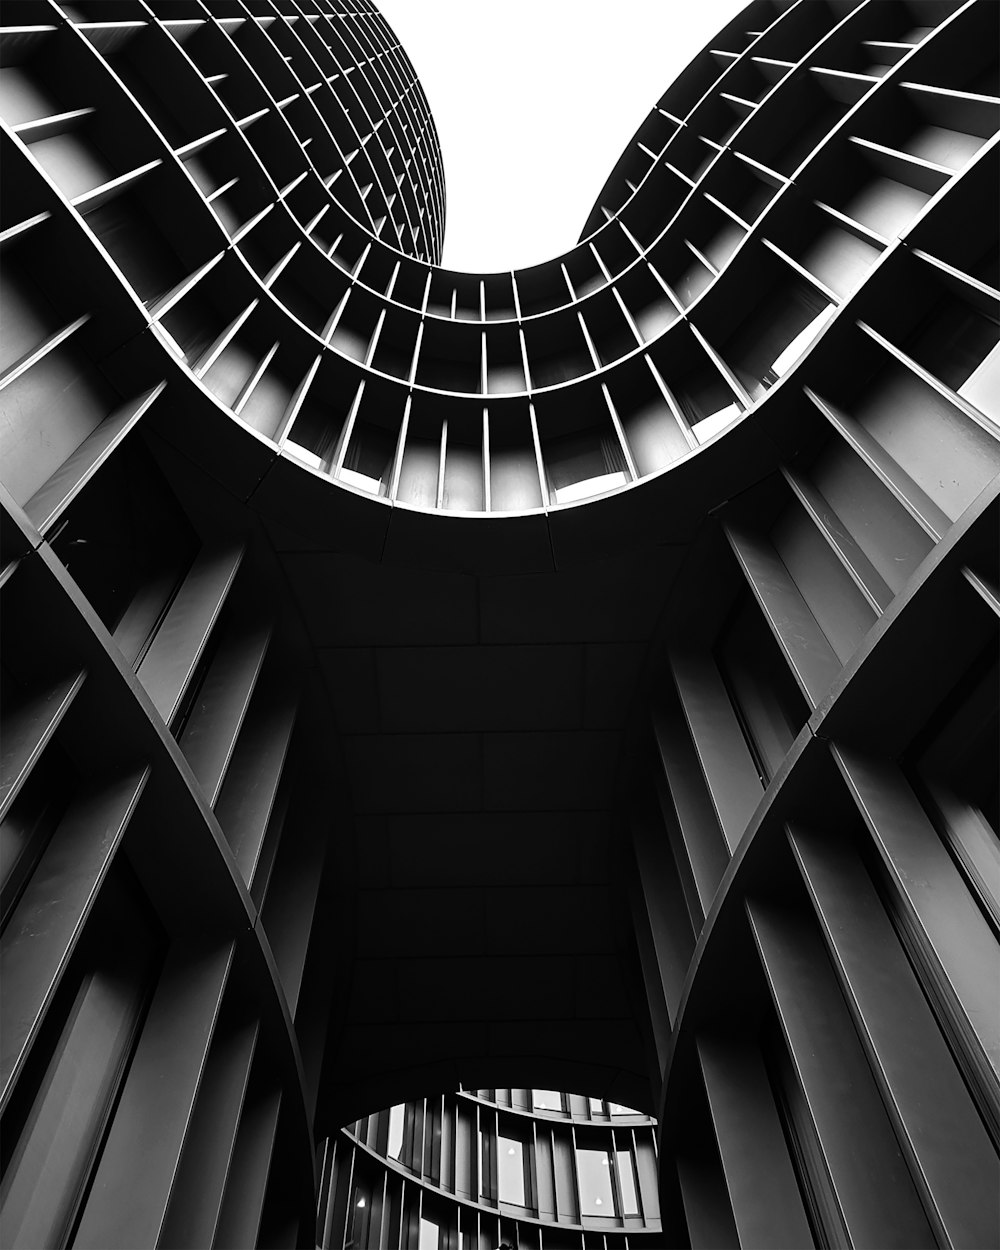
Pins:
x: 582, y: 675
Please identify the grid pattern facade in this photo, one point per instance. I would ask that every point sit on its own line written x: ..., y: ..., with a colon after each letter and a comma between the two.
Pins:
x: 750, y: 757
x: 532, y: 1168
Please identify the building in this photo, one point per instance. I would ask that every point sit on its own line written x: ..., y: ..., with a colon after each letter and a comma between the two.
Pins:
x: 515, y: 1167
x: 372, y: 732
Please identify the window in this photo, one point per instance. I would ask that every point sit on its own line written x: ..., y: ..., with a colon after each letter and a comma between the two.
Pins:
x: 709, y: 426
x: 585, y: 464
x: 429, y: 1235
x: 546, y: 1100
x: 626, y: 1180
x: 304, y: 454
x: 360, y: 1215
x: 590, y: 486
x: 594, y: 1175
x: 510, y: 1167
x: 786, y: 358
x: 361, y: 480
x: 487, y: 1172
x: 397, y: 1115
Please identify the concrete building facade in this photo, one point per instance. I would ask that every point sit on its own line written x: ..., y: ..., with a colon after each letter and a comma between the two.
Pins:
x: 421, y: 688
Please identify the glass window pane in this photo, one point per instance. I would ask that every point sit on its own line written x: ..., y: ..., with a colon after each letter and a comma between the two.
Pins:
x: 594, y: 1173
x: 488, y: 1167
x: 429, y: 1234
x: 590, y: 486
x: 546, y: 1100
x: 396, y: 1116
x: 617, y: 1108
x: 360, y: 1216
x: 510, y: 1165
x: 801, y: 341
x: 626, y: 1178
x: 596, y: 1106
x: 705, y: 429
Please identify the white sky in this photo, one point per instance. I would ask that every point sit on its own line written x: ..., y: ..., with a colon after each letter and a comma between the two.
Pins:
x: 534, y: 102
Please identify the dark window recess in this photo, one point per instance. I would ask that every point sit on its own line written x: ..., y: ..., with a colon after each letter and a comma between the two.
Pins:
x: 32, y: 819
x: 769, y: 342
x: 193, y: 692
x: 55, y: 1123
x: 953, y: 767
x: 955, y: 337
x: 768, y: 703
x: 488, y: 1165
x: 815, y: 1184
x: 126, y: 546
x: 432, y: 1142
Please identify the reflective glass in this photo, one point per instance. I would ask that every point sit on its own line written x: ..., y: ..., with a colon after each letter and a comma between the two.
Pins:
x: 304, y: 454
x: 361, y: 480
x: 429, y: 1234
x: 801, y: 341
x: 709, y: 426
x: 510, y: 1167
x: 546, y: 1100
x: 594, y: 1173
x: 396, y: 1116
x: 360, y: 1216
x: 626, y: 1179
x: 590, y: 486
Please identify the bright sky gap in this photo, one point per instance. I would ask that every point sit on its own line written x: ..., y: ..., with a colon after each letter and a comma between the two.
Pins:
x: 534, y: 101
